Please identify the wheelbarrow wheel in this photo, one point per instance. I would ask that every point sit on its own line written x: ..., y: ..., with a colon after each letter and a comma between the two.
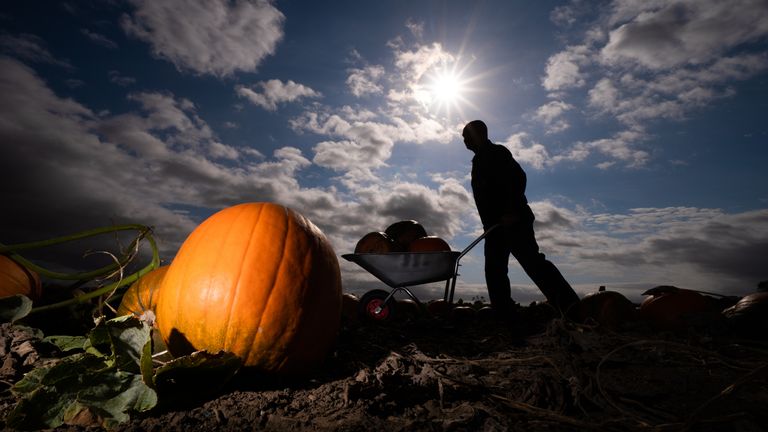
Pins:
x: 373, y: 308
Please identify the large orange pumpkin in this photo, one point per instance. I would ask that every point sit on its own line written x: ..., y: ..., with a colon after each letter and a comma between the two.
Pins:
x: 142, y: 295
x: 258, y: 280
x: 17, y: 279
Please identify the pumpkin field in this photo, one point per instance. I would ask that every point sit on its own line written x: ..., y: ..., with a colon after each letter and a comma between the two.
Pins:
x: 261, y: 335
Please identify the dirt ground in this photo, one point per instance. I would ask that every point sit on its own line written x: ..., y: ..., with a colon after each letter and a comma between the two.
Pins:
x: 433, y: 374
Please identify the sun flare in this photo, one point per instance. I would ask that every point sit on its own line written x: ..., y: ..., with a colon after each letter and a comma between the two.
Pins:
x: 446, y: 88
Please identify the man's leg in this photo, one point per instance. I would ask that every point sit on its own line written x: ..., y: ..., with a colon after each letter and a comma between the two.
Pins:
x: 497, y: 250
x: 544, y: 274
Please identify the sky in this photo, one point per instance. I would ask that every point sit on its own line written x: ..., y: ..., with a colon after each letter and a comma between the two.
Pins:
x: 641, y: 126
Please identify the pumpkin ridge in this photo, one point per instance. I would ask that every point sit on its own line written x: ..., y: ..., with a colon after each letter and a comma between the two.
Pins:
x: 275, y: 275
x: 234, y: 296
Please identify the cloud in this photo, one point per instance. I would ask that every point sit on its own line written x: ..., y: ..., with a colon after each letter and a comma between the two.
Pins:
x: 123, y: 81
x: 99, y: 39
x: 564, y: 70
x: 534, y: 154
x: 274, y: 92
x: 550, y: 114
x: 642, y: 62
x: 31, y: 48
x: 365, y: 81
x: 217, y: 37
x: 142, y: 166
x: 663, y: 35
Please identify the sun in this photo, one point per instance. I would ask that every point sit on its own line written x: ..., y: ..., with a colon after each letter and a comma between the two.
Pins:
x: 446, y: 88
x: 446, y: 91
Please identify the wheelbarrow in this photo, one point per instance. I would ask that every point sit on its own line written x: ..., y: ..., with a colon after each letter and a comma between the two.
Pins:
x: 401, y: 270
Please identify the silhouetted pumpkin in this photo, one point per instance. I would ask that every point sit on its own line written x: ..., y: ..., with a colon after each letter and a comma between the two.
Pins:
x: 17, y: 279
x: 408, y: 308
x: 349, y: 308
x: 404, y: 232
x: 438, y: 308
x: 258, y: 280
x: 375, y: 242
x: 429, y: 244
x: 672, y: 308
x: 486, y: 313
x: 749, y: 315
x: 142, y: 295
x: 607, y: 308
x: 463, y: 313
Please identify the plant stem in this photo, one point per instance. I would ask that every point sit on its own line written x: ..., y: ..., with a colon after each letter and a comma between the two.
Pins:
x: 12, y: 251
x: 155, y: 263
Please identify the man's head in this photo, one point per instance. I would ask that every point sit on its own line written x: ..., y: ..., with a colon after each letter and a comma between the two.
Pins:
x: 475, y: 134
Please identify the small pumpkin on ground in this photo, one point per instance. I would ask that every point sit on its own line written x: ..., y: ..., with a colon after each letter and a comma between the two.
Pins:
x: 258, y: 280
x: 142, y: 295
x: 671, y: 308
x: 17, y: 279
x: 749, y: 315
x: 349, y: 308
x: 608, y: 308
x: 463, y: 313
x: 408, y: 308
x: 438, y: 308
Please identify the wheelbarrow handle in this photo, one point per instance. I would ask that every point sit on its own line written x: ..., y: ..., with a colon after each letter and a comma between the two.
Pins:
x: 450, y: 285
x: 477, y: 240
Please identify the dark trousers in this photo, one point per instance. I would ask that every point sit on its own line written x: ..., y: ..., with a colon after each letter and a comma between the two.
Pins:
x: 519, y: 240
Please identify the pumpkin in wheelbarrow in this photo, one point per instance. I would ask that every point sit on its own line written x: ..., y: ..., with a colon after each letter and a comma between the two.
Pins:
x: 375, y: 242
x: 258, y: 280
x: 429, y: 244
x: 404, y: 232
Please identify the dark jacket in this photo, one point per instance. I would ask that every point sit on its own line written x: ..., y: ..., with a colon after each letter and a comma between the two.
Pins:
x: 498, y: 185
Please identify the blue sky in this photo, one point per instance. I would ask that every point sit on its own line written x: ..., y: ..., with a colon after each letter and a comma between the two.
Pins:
x: 641, y: 125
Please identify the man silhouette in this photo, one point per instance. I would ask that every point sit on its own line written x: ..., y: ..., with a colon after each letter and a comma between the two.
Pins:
x: 498, y: 185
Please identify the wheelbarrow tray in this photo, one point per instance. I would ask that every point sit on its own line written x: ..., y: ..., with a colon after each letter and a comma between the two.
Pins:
x: 400, y: 269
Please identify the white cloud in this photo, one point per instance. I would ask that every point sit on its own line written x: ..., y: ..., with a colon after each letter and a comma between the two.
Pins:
x: 30, y: 48
x: 653, y: 60
x: 99, y: 39
x: 365, y: 81
x: 117, y: 78
x: 675, y: 33
x: 533, y: 153
x: 565, y: 69
x: 217, y: 37
x: 274, y: 92
x: 550, y: 114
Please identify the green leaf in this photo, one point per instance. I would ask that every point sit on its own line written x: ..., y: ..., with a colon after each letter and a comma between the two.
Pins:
x: 100, y: 386
x: 196, y: 374
x: 14, y: 308
x: 67, y: 343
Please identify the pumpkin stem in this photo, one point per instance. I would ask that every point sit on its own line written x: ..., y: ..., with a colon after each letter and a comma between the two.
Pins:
x: 154, y: 263
x: 12, y: 252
